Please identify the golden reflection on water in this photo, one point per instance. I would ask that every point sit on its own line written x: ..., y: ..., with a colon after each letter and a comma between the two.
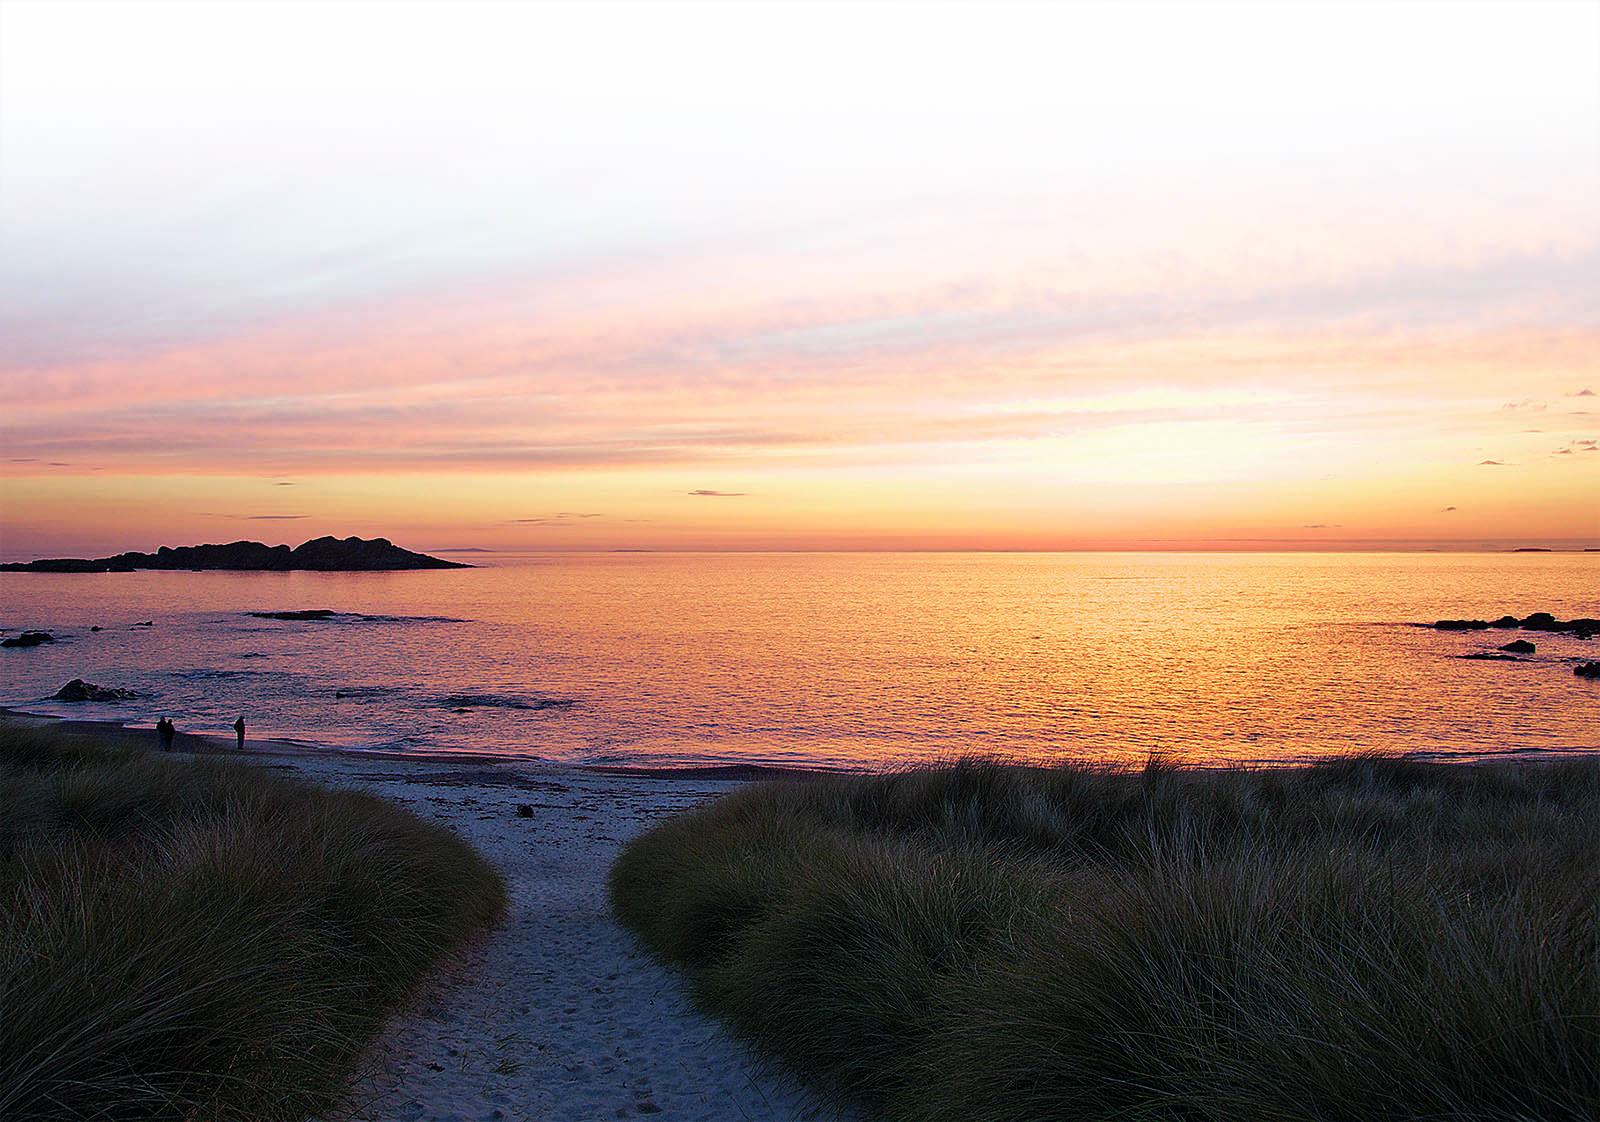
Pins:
x: 860, y: 659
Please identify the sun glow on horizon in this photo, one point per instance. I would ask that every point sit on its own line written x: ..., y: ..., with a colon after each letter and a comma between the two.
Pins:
x: 1012, y: 276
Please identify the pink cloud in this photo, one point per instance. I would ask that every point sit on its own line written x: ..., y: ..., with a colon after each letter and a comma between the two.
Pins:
x: 676, y: 358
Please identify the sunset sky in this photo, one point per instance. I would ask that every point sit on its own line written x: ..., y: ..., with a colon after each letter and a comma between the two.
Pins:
x: 762, y: 275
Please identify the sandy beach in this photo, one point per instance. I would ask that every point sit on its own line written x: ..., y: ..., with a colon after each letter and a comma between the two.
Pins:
x: 557, y: 1015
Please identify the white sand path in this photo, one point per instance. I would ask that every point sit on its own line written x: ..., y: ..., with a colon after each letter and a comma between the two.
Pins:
x: 558, y: 1015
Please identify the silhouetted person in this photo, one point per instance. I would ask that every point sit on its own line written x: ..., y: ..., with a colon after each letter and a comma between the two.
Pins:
x: 238, y: 728
x: 165, y: 728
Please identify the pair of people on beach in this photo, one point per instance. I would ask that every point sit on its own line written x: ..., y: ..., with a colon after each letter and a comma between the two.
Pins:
x: 167, y: 731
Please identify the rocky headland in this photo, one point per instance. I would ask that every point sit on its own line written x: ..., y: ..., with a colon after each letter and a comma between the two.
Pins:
x: 327, y: 554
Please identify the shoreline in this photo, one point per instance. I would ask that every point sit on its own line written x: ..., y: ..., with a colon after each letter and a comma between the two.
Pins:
x: 213, y: 744
x: 208, y: 744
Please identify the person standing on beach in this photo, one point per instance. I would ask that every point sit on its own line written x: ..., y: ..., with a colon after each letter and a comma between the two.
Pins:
x: 238, y: 728
x: 166, y: 730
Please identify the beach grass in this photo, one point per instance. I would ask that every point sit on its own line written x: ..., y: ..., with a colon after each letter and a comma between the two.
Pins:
x: 1369, y: 937
x: 205, y: 939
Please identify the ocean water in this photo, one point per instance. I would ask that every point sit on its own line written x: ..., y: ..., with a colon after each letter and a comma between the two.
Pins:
x: 838, y: 660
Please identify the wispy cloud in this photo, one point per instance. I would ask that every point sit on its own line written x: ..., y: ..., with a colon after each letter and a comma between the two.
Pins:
x: 564, y: 518
x: 719, y: 494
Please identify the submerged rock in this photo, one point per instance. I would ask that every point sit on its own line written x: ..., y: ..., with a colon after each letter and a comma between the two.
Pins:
x: 27, y: 639
x: 462, y: 702
x: 308, y: 613
x: 1519, y: 646
x: 79, y: 690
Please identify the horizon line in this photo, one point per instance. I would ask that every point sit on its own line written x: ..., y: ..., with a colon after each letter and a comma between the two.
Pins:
x: 1187, y: 549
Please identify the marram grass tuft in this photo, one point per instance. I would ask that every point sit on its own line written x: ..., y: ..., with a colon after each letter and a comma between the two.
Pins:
x: 205, y: 939
x: 1367, y: 938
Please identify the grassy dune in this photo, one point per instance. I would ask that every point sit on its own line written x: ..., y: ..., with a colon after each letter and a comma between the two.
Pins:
x: 1366, y: 938
x: 206, y: 940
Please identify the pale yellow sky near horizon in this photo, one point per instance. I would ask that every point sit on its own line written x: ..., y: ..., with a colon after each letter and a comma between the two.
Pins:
x: 1014, y: 276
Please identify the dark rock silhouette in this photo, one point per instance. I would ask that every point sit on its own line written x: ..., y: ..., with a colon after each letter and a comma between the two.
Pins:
x: 1543, y: 621
x: 1490, y: 656
x: 27, y: 639
x: 67, y: 565
x: 79, y: 690
x: 1538, y: 621
x: 329, y: 554
x: 308, y: 613
x: 354, y: 554
x: 1587, y: 670
x: 1519, y: 646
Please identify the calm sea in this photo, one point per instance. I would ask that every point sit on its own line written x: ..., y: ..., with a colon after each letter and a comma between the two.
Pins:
x: 836, y: 659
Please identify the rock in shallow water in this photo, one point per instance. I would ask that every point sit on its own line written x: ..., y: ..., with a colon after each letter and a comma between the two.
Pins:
x: 79, y: 690
x: 1538, y: 621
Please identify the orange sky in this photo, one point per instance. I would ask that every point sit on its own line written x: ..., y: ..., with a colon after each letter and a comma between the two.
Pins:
x: 898, y: 276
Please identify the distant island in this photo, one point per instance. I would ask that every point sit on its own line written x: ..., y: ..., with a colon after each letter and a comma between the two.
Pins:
x: 323, y: 555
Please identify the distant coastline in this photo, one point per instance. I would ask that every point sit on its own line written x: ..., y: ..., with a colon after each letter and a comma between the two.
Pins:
x: 326, y: 555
